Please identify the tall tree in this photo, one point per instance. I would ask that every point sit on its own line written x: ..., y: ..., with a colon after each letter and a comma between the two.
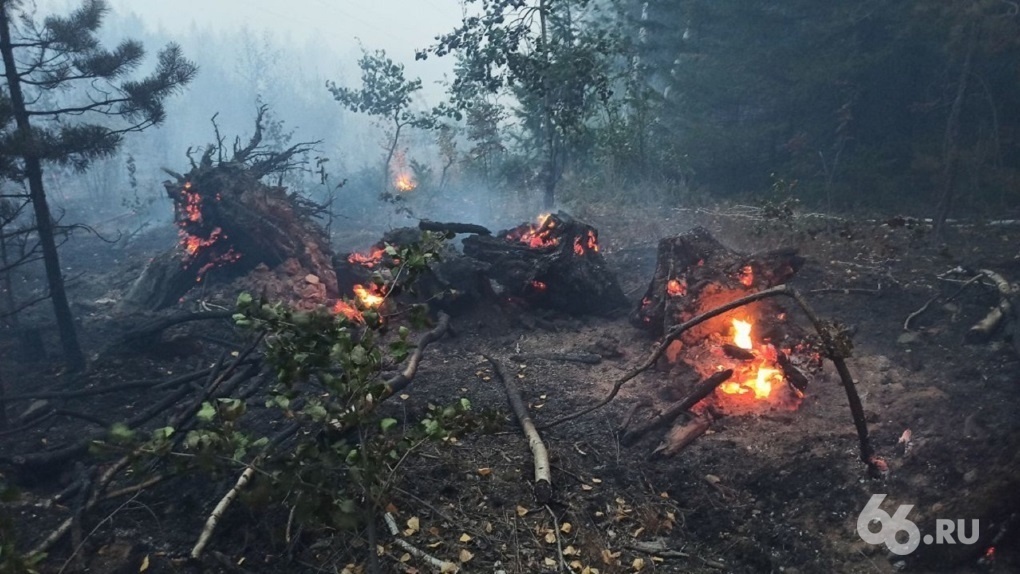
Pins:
x: 552, y: 56
x: 63, y: 55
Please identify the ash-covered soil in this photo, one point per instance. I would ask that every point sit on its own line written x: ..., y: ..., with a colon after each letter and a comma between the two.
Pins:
x: 777, y: 491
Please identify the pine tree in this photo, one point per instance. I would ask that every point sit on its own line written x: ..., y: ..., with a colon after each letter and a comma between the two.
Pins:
x: 63, y: 55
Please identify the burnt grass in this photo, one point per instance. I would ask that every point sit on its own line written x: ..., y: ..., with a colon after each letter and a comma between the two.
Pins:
x: 768, y: 492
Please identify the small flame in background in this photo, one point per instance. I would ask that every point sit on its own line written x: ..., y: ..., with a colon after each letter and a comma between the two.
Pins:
x: 370, y: 297
x: 537, y: 235
x: 758, y: 379
x: 344, y: 308
x: 405, y: 183
x: 538, y: 286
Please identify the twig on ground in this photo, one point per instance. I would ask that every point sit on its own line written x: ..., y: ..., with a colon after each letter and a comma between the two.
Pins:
x: 563, y: 566
x: 441, y: 565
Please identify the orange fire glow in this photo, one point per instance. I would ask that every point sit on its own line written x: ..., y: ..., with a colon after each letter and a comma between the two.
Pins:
x: 405, y: 183
x: 345, y: 309
x: 369, y: 260
x: 537, y: 236
x: 676, y: 288
x: 538, y: 285
x: 746, y: 276
x: 370, y: 297
x: 758, y: 379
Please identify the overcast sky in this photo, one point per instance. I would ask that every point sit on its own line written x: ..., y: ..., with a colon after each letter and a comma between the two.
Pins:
x: 397, y: 26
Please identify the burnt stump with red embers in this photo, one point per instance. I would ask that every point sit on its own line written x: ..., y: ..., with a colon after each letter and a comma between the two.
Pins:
x: 554, y: 264
x: 694, y: 273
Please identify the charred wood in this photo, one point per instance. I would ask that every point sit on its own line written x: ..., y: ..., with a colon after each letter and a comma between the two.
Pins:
x: 471, y: 228
x: 699, y: 392
x: 555, y: 265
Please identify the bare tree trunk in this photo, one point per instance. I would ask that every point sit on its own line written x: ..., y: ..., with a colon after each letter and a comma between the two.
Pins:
x: 951, y: 150
x: 73, y: 356
x: 551, y: 175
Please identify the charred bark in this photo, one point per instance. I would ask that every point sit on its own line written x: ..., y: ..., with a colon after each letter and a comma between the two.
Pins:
x: 694, y: 271
x: 555, y: 265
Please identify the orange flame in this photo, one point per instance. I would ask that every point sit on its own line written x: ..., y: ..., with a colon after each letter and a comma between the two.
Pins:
x: 742, y: 334
x: 676, y: 288
x: 405, y: 183
x: 369, y: 297
x: 759, y: 379
x: 345, y: 309
x: 536, y: 236
x: 369, y: 260
x: 746, y: 276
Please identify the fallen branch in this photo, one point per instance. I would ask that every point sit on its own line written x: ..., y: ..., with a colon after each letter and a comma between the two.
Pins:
x: 426, y: 225
x: 986, y: 327
x: 391, y: 387
x: 543, y: 481
x: 927, y: 304
x: 699, y: 392
x: 441, y: 565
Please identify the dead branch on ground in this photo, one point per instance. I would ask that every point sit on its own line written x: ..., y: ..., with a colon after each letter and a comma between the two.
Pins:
x: 543, y: 480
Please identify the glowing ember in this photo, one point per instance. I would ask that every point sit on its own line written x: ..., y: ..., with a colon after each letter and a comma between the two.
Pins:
x: 345, y: 309
x: 540, y: 235
x: 405, y: 183
x: 369, y: 297
x: 192, y: 204
x: 369, y: 260
x: 538, y: 285
x: 746, y: 277
x: 593, y: 242
x: 676, y: 288
x: 578, y: 248
x: 742, y: 334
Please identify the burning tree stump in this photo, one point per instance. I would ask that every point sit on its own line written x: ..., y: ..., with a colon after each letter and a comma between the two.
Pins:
x: 693, y: 272
x: 554, y: 264
x: 226, y: 216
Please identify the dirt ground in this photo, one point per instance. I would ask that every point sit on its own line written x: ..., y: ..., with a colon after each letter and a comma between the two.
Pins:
x: 776, y: 491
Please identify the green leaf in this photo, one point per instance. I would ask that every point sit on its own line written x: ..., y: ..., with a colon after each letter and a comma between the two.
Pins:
x: 120, y: 432
x: 207, y: 412
x: 465, y: 404
x: 162, y: 433
x: 387, y: 424
x: 243, y: 299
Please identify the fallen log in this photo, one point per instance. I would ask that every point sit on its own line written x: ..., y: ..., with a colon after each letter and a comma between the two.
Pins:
x: 543, y: 481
